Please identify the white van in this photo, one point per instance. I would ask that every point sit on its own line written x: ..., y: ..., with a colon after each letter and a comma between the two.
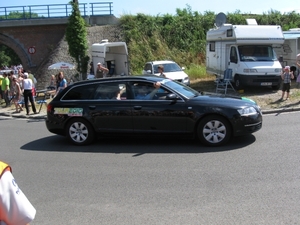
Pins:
x: 171, y: 69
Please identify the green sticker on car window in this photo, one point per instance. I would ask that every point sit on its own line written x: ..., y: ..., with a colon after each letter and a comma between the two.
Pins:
x: 69, y: 111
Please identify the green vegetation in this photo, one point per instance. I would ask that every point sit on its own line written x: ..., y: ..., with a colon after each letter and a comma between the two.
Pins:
x: 8, y: 57
x: 19, y: 15
x: 182, y: 37
x: 76, y: 36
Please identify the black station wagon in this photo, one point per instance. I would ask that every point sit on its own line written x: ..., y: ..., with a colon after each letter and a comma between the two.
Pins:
x: 148, y: 105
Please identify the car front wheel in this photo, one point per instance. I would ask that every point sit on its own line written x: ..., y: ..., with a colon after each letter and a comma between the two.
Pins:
x: 80, y: 132
x: 214, y: 130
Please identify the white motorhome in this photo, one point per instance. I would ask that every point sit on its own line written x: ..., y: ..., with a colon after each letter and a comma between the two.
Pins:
x: 288, y: 52
x: 247, y: 50
x: 112, y: 55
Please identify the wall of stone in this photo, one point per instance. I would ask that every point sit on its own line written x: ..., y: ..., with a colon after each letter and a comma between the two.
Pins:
x: 60, y: 53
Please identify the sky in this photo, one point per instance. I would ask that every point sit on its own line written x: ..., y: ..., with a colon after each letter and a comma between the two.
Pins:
x: 161, y: 7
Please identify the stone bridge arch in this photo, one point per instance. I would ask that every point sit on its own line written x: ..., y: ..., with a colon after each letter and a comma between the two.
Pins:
x: 18, y: 48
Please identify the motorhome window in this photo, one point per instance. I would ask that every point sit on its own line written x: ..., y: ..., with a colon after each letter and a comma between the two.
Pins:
x: 229, y: 33
x: 212, y: 46
x: 256, y: 53
x: 233, y: 55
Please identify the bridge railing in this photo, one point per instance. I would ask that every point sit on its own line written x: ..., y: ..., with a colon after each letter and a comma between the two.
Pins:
x: 54, y: 10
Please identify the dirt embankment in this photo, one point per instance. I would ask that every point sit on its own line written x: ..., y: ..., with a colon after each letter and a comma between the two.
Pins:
x: 265, y: 97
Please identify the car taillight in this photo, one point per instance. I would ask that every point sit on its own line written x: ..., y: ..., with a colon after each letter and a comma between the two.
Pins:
x: 49, y: 107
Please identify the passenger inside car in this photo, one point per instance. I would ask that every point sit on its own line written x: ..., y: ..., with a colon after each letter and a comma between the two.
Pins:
x: 146, y: 91
x: 111, y: 91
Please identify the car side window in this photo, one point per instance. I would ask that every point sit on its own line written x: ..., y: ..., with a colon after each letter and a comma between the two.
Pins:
x: 84, y: 92
x: 147, y: 91
x: 111, y: 91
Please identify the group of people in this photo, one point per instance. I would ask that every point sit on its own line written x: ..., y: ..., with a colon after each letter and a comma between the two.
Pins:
x: 22, y: 86
x: 287, y: 76
x: 14, y: 87
x: 14, y: 68
x: 57, y: 83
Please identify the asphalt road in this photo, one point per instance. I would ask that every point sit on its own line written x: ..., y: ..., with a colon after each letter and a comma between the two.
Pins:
x: 253, y: 180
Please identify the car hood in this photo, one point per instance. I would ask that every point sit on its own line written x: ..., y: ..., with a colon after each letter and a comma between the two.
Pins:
x: 175, y: 75
x: 226, y: 101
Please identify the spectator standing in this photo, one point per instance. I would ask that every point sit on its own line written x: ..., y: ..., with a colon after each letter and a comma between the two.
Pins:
x: 15, y: 208
x: 286, y: 76
x: 5, y: 89
x: 52, y: 84
x: 160, y: 69
x: 298, y: 70
x: 17, y: 94
x: 1, y: 97
x: 11, y: 73
x: 62, y: 82
x: 101, y: 71
x: 27, y: 92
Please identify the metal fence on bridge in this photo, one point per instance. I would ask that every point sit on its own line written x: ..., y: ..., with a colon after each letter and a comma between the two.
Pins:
x: 54, y: 11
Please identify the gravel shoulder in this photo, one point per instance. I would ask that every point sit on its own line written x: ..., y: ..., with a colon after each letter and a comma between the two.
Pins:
x: 265, y: 97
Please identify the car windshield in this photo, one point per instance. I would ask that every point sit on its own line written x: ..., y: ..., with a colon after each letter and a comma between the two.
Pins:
x: 168, y: 67
x: 180, y: 88
x: 256, y: 53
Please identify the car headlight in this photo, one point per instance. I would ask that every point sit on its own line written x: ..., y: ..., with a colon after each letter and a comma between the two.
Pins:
x: 250, y: 71
x: 247, y: 111
x: 278, y: 70
x: 186, y: 79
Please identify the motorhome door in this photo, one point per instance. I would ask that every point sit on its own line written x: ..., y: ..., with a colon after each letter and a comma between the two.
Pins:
x: 233, y: 60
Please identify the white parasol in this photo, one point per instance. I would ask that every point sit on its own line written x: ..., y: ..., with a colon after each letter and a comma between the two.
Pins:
x: 61, y: 65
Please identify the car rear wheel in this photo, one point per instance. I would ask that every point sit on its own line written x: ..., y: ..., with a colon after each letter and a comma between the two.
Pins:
x: 214, y: 130
x: 80, y: 132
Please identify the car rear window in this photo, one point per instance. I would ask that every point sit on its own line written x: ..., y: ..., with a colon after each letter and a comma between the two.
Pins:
x: 169, y: 67
x: 83, y: 92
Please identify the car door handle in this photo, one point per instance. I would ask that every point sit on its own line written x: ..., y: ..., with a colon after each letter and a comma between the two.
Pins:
x: 137, y: 107
x: 92, y: 107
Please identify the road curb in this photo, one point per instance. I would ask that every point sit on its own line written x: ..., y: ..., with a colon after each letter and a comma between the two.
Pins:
x: 23, y: 116
x: 283, y: 110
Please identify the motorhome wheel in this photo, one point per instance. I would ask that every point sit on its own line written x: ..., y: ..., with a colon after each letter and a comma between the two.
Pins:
x: 237, y: 82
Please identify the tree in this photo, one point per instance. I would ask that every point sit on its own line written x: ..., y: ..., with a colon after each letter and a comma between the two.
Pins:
x: 8, y: 57
x: 76, y: 36
x: 19, y: 15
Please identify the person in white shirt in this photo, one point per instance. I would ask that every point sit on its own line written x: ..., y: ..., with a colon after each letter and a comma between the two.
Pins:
x: 15, y: 208
x: 27, y: 86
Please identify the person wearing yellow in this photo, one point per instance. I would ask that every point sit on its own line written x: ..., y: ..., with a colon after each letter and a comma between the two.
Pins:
x: 5, y: 89
x: 15, y: 208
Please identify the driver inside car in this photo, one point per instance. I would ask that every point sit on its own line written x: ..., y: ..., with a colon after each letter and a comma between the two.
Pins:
x: 146, y: 92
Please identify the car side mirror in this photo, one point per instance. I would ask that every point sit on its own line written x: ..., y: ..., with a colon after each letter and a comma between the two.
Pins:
x: 172, y: 97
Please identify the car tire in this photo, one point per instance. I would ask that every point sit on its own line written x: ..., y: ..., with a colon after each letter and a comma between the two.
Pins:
x: 214, y: 130
x: 80, y: 132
